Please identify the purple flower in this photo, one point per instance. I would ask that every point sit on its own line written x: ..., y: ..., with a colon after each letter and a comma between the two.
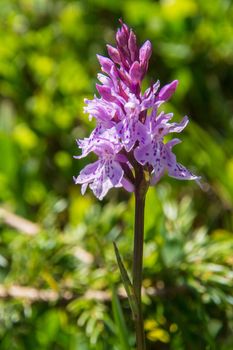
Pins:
x: 106, y: 172
x: 129, y: 131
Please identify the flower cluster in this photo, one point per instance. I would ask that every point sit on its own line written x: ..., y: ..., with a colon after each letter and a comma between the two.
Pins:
x: 129, y: 129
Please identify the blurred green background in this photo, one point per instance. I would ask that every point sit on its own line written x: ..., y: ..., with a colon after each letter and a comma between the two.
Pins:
x: 60, y: 287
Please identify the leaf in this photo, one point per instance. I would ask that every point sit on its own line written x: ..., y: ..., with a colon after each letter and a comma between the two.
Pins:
x: 127, y: 283
x: 122, y: 333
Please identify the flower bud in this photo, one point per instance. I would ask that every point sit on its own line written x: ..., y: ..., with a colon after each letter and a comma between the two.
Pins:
x: 105, y: 92
x: 168, y: 90
x: 135, y: 72
x: 106, y: 63
x: 132, y: 44
x: 145, y: 53
x: 114, y: 54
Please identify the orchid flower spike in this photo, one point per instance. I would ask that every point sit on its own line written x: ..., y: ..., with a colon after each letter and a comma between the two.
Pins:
x: 129, y: 129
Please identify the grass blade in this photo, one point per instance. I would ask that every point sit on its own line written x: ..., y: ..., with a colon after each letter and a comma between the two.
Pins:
x: 122, y: 331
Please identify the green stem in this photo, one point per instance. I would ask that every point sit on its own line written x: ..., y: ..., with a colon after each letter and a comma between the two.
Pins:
x: 140, y: 194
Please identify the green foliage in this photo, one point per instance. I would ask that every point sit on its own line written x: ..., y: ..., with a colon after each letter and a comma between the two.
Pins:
x: 56, y: 277
x: 123, y: 332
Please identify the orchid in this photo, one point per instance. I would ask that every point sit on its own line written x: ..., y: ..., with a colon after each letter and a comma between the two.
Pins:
x: 129, y: 123
x: 129, y: 142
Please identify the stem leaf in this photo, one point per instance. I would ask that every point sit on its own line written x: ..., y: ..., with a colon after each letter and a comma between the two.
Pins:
x: 127, y: 283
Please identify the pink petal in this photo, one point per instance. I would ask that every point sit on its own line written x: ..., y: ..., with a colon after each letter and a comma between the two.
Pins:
x: 135, y: 72
x: 104, y: 80
x: 132, y: 44
x: 145, y: 52
x: 105, y: 63
x: 167, y: 91
x: 122, y: 36
x: 114, y: 54
x: 105, y: 92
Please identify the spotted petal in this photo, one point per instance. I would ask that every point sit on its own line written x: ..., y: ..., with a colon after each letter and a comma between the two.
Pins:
x: 114, y: 172
x: 87, y: 173
x: 178, y: 127
x: 178, y: 171
x: 110, y: 175
x: 101, y: 186
x: 144, y: 154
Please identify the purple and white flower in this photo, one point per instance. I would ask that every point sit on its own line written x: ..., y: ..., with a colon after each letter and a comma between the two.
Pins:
x: 106, y: 172
x: 130, y: 131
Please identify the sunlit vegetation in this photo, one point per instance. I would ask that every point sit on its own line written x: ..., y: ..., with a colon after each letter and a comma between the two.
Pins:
x: 60, y: 288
